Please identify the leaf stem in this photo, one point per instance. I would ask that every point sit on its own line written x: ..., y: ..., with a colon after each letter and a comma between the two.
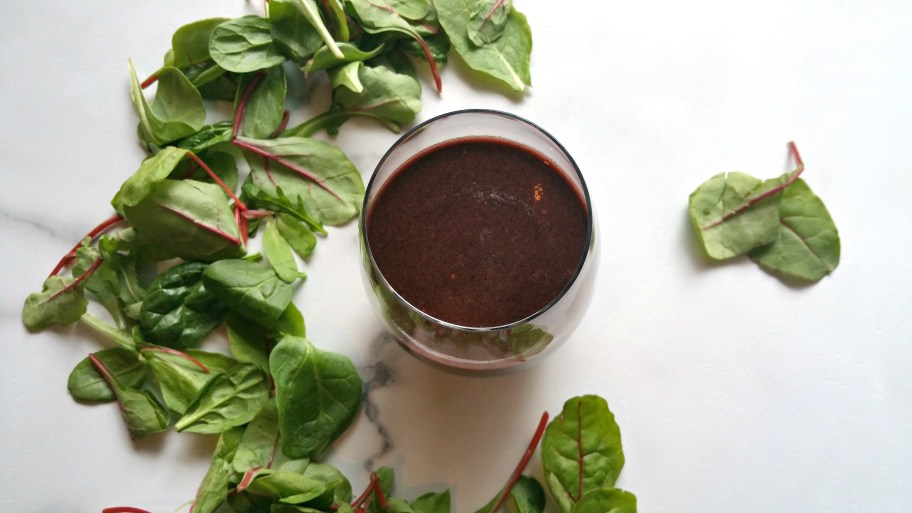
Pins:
x: 290, y: 165
x: 222, y: 184
x: 99, y: 326
x: 104, y: 225
x: 378, y: 491
x: 175, y: 352
x: 79, y: 279
x: 242, y: 104
x: 523, y: 462
x: 124, y: 509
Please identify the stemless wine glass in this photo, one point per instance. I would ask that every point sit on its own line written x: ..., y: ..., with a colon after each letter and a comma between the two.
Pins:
x: 473, y: 348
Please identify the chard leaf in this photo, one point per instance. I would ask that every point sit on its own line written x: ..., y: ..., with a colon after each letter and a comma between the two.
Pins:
x: 606, y: 500
x: 114, y: 283
x: 60, y: 302
x: 86, y: 384
x: 734, y: 213
x: 807, y: 246
x: 190, y: 43
x: 152, y: 171
x: 291, y: 488
x: 213, y: 491
x: 249, y: 289
x: 433, y: 502
x: 488, y: 20
x: 266, y: 104
x: 279, y: 254
x: 229, y: 399
x: 318, y: 394
x: 526, y: 496
x: 581, y: 450
x: 386, y: 94
x: 188, y: 219
x: 244, y: 44
x: 208, y: 136
x: 505, y: 59
x: 177, y: 110
x: 178, y: 312
x: 294, y: 36
x: 314, y: 173
x: 179, y: 378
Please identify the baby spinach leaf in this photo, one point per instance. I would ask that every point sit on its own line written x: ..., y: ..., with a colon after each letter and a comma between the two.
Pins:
x: 310, y: 11
x: 346, y: 76
x: 386, y: 94
x: 259, y: 446
x: 179, y: 378
x: 206, y: 137
x: 298, y: 234
x: 249, y: 289
x: 190, y: 43
x: 606, y: 500
x: 244, y: 44
x: 188, y: 219
x: 807, y: 246
x: 229, y: 399
x: 488, y: 20
x: 60, y: 302
x: 252, y: 342
x: 294, y: 36
x: 325, y: 59
x: 213, y: 491
x: 177, y: 110
x: 526, y: 496
x: 292, y: 488
x: 86, y: 384
x: 279, y: 254
x: 506, y: 58
x: 581, y: 450
x: 152, y: 171
x: 265, y: 106
x: 734, y: 213
x: 433, y: 502
x: 178, y: 311
x: 315, y: 173
x: 318, y: 394
x: 142, y: 412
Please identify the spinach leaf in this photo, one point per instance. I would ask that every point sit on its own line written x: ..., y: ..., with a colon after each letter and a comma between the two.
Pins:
x: 807, y: 245
x: 180, y: 378
x: 86, y: 384
x: 433, y: 502
x: 325, y: 59
x: 190, y: 43
x: 526, y: 496
x: 229, y: 399
x: 279, y: 253
x: 177, y: 110
x: 318, y: 394
x: 259, y: 446
x: 188, y: 219
x: 142, y: 412
x: 178, y: 311
x: 244, y: 44
x: 60, y: 302
x: 253, y: 342
x: 606, y: 500
x: 152, y: 171
x: 294, y: 36
x: 213, y: 491
x: 316, y: 173
x: 249, y: 289
x: 310, y: 11
x: 581, y: 450
x: 298, y: 234
x: 206, y: 137
x: 505, y: 58
x: 265, y: 106
x: 292, y: 488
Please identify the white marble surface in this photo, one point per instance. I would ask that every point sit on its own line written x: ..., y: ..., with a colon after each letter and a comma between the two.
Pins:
x: 734, y: 392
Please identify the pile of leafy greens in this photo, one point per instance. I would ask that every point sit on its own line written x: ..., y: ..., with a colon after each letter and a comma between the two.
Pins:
x: 172, y: 264
x: 780, y: 223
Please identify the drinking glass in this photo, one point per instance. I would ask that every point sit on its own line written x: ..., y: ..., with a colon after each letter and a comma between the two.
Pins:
x: 472, y: 348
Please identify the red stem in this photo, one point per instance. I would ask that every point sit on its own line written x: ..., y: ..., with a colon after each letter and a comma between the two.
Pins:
x: 378, y: 491
x: 124, y: 509
x: 242, y: 105
x: 290, y: 165
x: 222, y: 184
x: 523, y: 462
x: 79, y: 279
x: 799, y: 168
x: 107, y: 223
x: 149, y: 81
x: 175, y: 352
x: 248, y: 477
x: 282, y: 125
x: 433, y: 64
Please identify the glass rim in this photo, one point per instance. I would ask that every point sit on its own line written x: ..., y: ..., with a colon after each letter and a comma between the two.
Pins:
x: 583, y: 190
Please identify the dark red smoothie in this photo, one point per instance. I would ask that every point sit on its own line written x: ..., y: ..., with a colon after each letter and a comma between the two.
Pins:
x: 478, y: 232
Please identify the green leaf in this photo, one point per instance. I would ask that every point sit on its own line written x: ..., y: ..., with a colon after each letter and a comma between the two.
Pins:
x: 60, y: 302
x: 208, y: 136
x: 310, y: 11
x: 190, y: 43
x: 244, y: 44
x: 581, y: 450
x: 298, y: 234
x: 115, y: 282
x: 294, y: 36
x: 488, y: 20
x: 249, y: 289
x: 213, y: 491
x: 292, y: 488
x: 259, y: 446
x: 177, y: 110
x: 253, y: 342
x: 526, y: 496
x: 315, y: 173
x: 606, y: 500
x: 86, y: 384
x: 432, y: 502
x: 734, y: 213
x: 188, y: 219
x: 265, y: 105
x: 142, y: 412
x: 318, y: 394
x: 506, y: 59
x: 153, y: 170
x: 807, y: 246
x: 386, y: 94
x: 325, y: 59
x: 179, y: 379
x: 279, y: 253
x: 229, y: 399
x: 178, y: 311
